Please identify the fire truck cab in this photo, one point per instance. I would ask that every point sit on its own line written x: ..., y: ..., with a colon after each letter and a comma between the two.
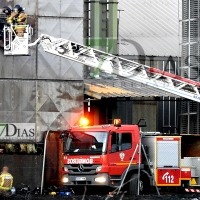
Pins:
x: 121, y: 156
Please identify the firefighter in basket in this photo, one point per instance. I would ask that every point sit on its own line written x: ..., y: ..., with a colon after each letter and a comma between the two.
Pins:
x: 18, y: 18
x: 21, y: 20
x: 9, y: 15
x: 7, y: 11
x: 6, y: 180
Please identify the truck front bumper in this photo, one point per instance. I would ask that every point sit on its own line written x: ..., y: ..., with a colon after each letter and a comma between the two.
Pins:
x: 93, y: 180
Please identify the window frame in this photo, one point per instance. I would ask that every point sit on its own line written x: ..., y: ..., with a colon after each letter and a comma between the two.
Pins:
x: 118, y: 141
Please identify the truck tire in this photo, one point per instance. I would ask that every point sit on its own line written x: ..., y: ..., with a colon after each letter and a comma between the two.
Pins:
x: 133, y: 185
x: 144, y: 185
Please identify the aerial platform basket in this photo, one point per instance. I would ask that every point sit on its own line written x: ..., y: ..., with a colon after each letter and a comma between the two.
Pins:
x: 16, y: 39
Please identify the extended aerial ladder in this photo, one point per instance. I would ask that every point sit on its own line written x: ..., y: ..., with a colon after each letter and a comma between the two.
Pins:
x: 112, y: 64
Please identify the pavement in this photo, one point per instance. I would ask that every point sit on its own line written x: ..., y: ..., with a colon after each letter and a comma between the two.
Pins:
x: 1, y: 45
x: 188, y: 196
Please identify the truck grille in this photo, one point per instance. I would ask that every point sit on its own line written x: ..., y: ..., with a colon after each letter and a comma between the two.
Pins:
x: 82, y: 169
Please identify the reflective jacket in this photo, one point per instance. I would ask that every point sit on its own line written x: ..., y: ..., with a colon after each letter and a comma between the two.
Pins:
x: 11, y: 19
x: 21, y: 19
x: 17, y: 18
x: 6, y: 181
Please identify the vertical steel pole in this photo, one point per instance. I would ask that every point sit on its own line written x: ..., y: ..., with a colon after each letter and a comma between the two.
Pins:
x: 86, y: 30
x: 139, y: 160
x: 113, y: 27
x: 198, y: 107
x: 189, y: 52
x: 95, y: 28
x: 95, y: 23
x: 43, y: 164
x: 86, y: 22
x: 103, y: 25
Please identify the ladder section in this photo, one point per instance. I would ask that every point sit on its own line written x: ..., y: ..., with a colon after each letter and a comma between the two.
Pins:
x: 115, y: 65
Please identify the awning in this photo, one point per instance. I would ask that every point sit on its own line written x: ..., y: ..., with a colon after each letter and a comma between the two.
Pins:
x: 107, y: 87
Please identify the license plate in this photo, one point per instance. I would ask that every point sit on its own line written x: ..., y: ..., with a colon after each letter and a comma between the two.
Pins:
x: 80, y: 178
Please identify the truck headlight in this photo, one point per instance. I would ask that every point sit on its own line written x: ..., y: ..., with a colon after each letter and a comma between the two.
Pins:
x: 100, y: 179
x: 98, y: 169
x: 65, y: 180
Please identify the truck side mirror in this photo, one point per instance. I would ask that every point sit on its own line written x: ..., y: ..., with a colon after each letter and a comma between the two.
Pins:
x: 142, y: 123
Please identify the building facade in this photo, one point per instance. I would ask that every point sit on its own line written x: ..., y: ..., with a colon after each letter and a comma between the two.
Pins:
x: 190, y: 112
x: 42, y: 90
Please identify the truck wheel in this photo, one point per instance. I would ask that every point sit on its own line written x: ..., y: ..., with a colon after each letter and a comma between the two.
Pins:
x: 144, y: 185
x: 133, y: 185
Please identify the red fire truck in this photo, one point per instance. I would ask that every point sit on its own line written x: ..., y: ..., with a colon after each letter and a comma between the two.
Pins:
x: 121, y: 156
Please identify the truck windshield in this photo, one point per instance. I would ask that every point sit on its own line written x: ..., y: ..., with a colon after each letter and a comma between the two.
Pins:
x: 88, y: 142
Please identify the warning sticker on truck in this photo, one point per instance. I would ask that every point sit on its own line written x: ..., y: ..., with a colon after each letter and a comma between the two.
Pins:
x: 168, y: 177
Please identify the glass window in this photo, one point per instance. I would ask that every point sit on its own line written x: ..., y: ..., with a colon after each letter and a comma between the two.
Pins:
x: 89, y: 142
x: 121, y: 141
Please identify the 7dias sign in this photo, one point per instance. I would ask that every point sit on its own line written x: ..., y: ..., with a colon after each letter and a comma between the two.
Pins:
x: 17, y: 131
